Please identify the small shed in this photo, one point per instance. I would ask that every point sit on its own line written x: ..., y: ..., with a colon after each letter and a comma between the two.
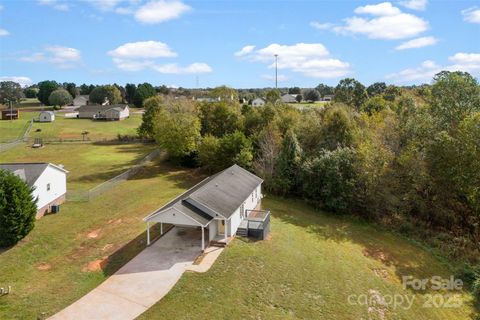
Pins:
x: 46, y: 116
x: 10, y: 114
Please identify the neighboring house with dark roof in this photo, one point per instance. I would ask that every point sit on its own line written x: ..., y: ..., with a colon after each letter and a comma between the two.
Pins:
x: 219, y: 204
x: 288, y: 98
x: 81, y: 100
x: 104, y: 112
x: 49, y: 182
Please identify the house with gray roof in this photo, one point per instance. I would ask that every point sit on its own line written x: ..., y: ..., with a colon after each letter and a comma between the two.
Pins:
x: 104, y: 112
x: 220, y: 205
x: 81, y: 100
x: 49, y: 182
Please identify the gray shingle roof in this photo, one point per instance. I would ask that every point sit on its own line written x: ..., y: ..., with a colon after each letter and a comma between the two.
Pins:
x: 28, y: 172
x: 221, y: 194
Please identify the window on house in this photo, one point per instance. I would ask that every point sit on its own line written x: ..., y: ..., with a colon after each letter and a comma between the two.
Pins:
x: 48, y: 186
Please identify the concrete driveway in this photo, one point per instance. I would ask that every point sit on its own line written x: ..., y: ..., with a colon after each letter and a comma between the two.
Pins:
x: 141, y: 282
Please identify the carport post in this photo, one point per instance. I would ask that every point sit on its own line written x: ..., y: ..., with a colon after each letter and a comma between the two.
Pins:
x: 203, y: 239
x: 226, y: 230
x: 148, y: 233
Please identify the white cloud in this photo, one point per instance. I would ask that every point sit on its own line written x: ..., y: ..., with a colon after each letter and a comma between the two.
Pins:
x: 3, y: 32
x: 62, y: 57
x: 471, y: 15
x: 309, y: 59
x: 142, y: 49
x: 173, y: 68
x: 417, y: 43
x: 381, y: 9
x: 23, y: 81
x: 55, y: 4
x: 415, y: 4
x: 321, y: 26
x: 388, y: 22
x: 138, y: 56
x: 244, y: 51
x: 160, y: 11
x: 467, y: 62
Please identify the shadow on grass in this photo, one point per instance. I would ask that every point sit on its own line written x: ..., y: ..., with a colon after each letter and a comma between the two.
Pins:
x: 180, y: 177
x: 127, y: 252
x: 407, y: 258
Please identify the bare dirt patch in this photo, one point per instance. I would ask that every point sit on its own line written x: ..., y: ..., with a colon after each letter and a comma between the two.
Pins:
x: 94, y: 234
x: 107, y: 247
x: 96, y: 265
x: 44, y: 266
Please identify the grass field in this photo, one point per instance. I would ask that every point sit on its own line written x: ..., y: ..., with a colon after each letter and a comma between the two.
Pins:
x: 309, y: 105
x: 12, y: 129
x: 65, y: 256
x: 88, y: 164
x: 66, y: 128
x: 308, y: 270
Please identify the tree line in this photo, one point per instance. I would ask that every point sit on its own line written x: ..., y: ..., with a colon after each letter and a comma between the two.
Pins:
x: 404, y: 157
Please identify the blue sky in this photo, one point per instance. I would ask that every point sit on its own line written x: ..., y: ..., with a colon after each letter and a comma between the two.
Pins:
x: 233, y: 42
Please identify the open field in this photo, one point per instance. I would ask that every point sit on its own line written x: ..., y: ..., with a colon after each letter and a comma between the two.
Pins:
x: 65, y: 256
x: 308, y: 270
x: 12, y: 129
x: 309, y: 105
x: 66, y: 128
x: 88, y: 164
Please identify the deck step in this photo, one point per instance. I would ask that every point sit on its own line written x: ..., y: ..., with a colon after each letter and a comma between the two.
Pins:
x: 242, y: 232
x: 220, y: 244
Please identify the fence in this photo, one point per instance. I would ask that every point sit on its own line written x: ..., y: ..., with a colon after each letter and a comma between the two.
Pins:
x: 22, y: 138
x: 107, y: 185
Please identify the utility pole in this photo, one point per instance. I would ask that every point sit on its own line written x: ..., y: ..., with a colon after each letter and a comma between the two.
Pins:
x: 276, y: 71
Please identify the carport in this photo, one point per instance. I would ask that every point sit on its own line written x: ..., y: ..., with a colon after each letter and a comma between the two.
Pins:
x: 180, y: 217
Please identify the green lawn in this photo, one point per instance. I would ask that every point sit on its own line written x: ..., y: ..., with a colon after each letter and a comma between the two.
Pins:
x: 12, y: 129
x: 66, y: 128
x: 309, y: 105
x: 55, y: 264
x: 88, y: 164
x: 308, y: 270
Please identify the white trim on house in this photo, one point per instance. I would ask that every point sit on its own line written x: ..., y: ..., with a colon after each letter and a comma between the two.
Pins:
x: 228, y: 192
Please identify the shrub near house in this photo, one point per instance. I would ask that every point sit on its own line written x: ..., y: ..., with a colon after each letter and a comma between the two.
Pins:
x: 17, y: 209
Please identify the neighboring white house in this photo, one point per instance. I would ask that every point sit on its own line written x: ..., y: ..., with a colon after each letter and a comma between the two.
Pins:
x: 49, y: 182
x: 259, y: 102
x: 328, y: 97
x: 80, y: 100
x: 46, y: 116
x: 104, y: 112
x: 218, y: 205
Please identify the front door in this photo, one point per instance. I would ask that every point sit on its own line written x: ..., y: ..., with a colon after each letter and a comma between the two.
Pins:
x: 221, y: 226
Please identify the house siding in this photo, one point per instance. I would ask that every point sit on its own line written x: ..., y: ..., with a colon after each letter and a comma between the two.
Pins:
x: 212, y: 230
x: 58, y: 186
x: 250, y: 203
x: 47, y: 208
